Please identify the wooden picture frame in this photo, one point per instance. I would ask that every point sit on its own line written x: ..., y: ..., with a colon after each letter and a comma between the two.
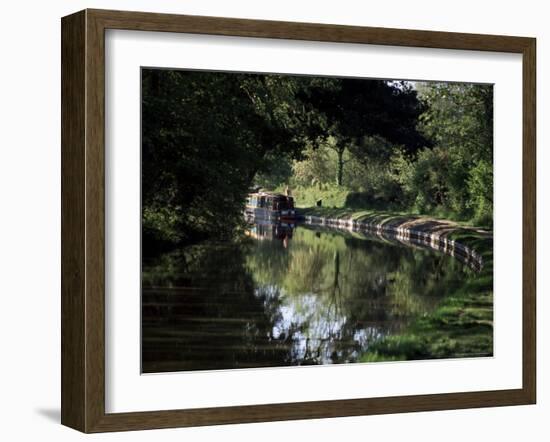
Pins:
x: 83, y: 220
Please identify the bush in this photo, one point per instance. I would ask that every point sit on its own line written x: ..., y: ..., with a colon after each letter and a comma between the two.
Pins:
x: 480, y: 187
x: 330, y: 194
x: 368, y: 200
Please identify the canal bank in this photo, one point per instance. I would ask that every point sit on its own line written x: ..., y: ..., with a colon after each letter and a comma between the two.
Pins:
x: 462, y: 325
x: 465, y: 242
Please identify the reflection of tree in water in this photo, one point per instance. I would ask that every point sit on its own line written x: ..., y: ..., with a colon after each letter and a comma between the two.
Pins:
x: 200, y: 311
x: 322, y: 299
x: 346, y: 291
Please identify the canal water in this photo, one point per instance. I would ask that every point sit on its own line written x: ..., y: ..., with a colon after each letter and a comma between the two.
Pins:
x: 286, y: 295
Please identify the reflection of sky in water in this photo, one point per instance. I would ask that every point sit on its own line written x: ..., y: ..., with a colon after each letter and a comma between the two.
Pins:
x: 313, y: 328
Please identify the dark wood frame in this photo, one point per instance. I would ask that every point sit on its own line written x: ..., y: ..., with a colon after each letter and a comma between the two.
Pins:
x: 83, y: 216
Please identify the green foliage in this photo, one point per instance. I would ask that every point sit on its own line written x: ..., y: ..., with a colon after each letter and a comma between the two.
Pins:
x: 159, y: 228
x: 425, y: 179
x: 367, y: 181
x: 459, y: 121
x: 461, y: 327
x: 278, y: 172
x: 330, y: 195
x: 450, y: 176
x: 352, y: 112
x: 317, y: 167
x: 480, y: 185
x: 459, y: 114
x: 364, y: 144
x: 205, y: 136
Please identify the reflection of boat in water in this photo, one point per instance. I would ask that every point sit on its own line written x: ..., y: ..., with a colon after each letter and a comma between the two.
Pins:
x: 270, y: 206
x: 267, y: 230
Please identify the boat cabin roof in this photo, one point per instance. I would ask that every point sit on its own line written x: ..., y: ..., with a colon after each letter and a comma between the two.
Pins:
x: 272, y: 195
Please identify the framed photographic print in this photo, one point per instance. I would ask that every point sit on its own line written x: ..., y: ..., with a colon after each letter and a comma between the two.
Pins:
x: 268, y: 220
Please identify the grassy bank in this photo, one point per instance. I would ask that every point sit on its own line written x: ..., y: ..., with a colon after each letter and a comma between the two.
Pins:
x: 331, y: 196
x: 456, y: 229
x: 462, y: 324
x: 341, y: 200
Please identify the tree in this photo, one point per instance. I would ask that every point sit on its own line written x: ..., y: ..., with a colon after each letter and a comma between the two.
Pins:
x: 348, y: 110
x: 205, y: 136
x: 459, y: 121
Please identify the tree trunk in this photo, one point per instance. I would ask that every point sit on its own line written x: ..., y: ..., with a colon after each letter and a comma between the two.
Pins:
x: 336, y: 282
x: 340, y: 177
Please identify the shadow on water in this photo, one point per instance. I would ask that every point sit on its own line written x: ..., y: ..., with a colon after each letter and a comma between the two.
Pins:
x: 285, y: 295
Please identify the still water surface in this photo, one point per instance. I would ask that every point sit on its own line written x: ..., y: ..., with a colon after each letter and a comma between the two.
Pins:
x: 285, y: 296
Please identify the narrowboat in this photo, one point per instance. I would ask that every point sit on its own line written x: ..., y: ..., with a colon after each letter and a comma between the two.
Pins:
x: 262, y: 229
x: 270, y: 206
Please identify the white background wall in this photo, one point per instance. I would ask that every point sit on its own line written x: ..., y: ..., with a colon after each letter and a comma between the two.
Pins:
x: 30, y: 216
